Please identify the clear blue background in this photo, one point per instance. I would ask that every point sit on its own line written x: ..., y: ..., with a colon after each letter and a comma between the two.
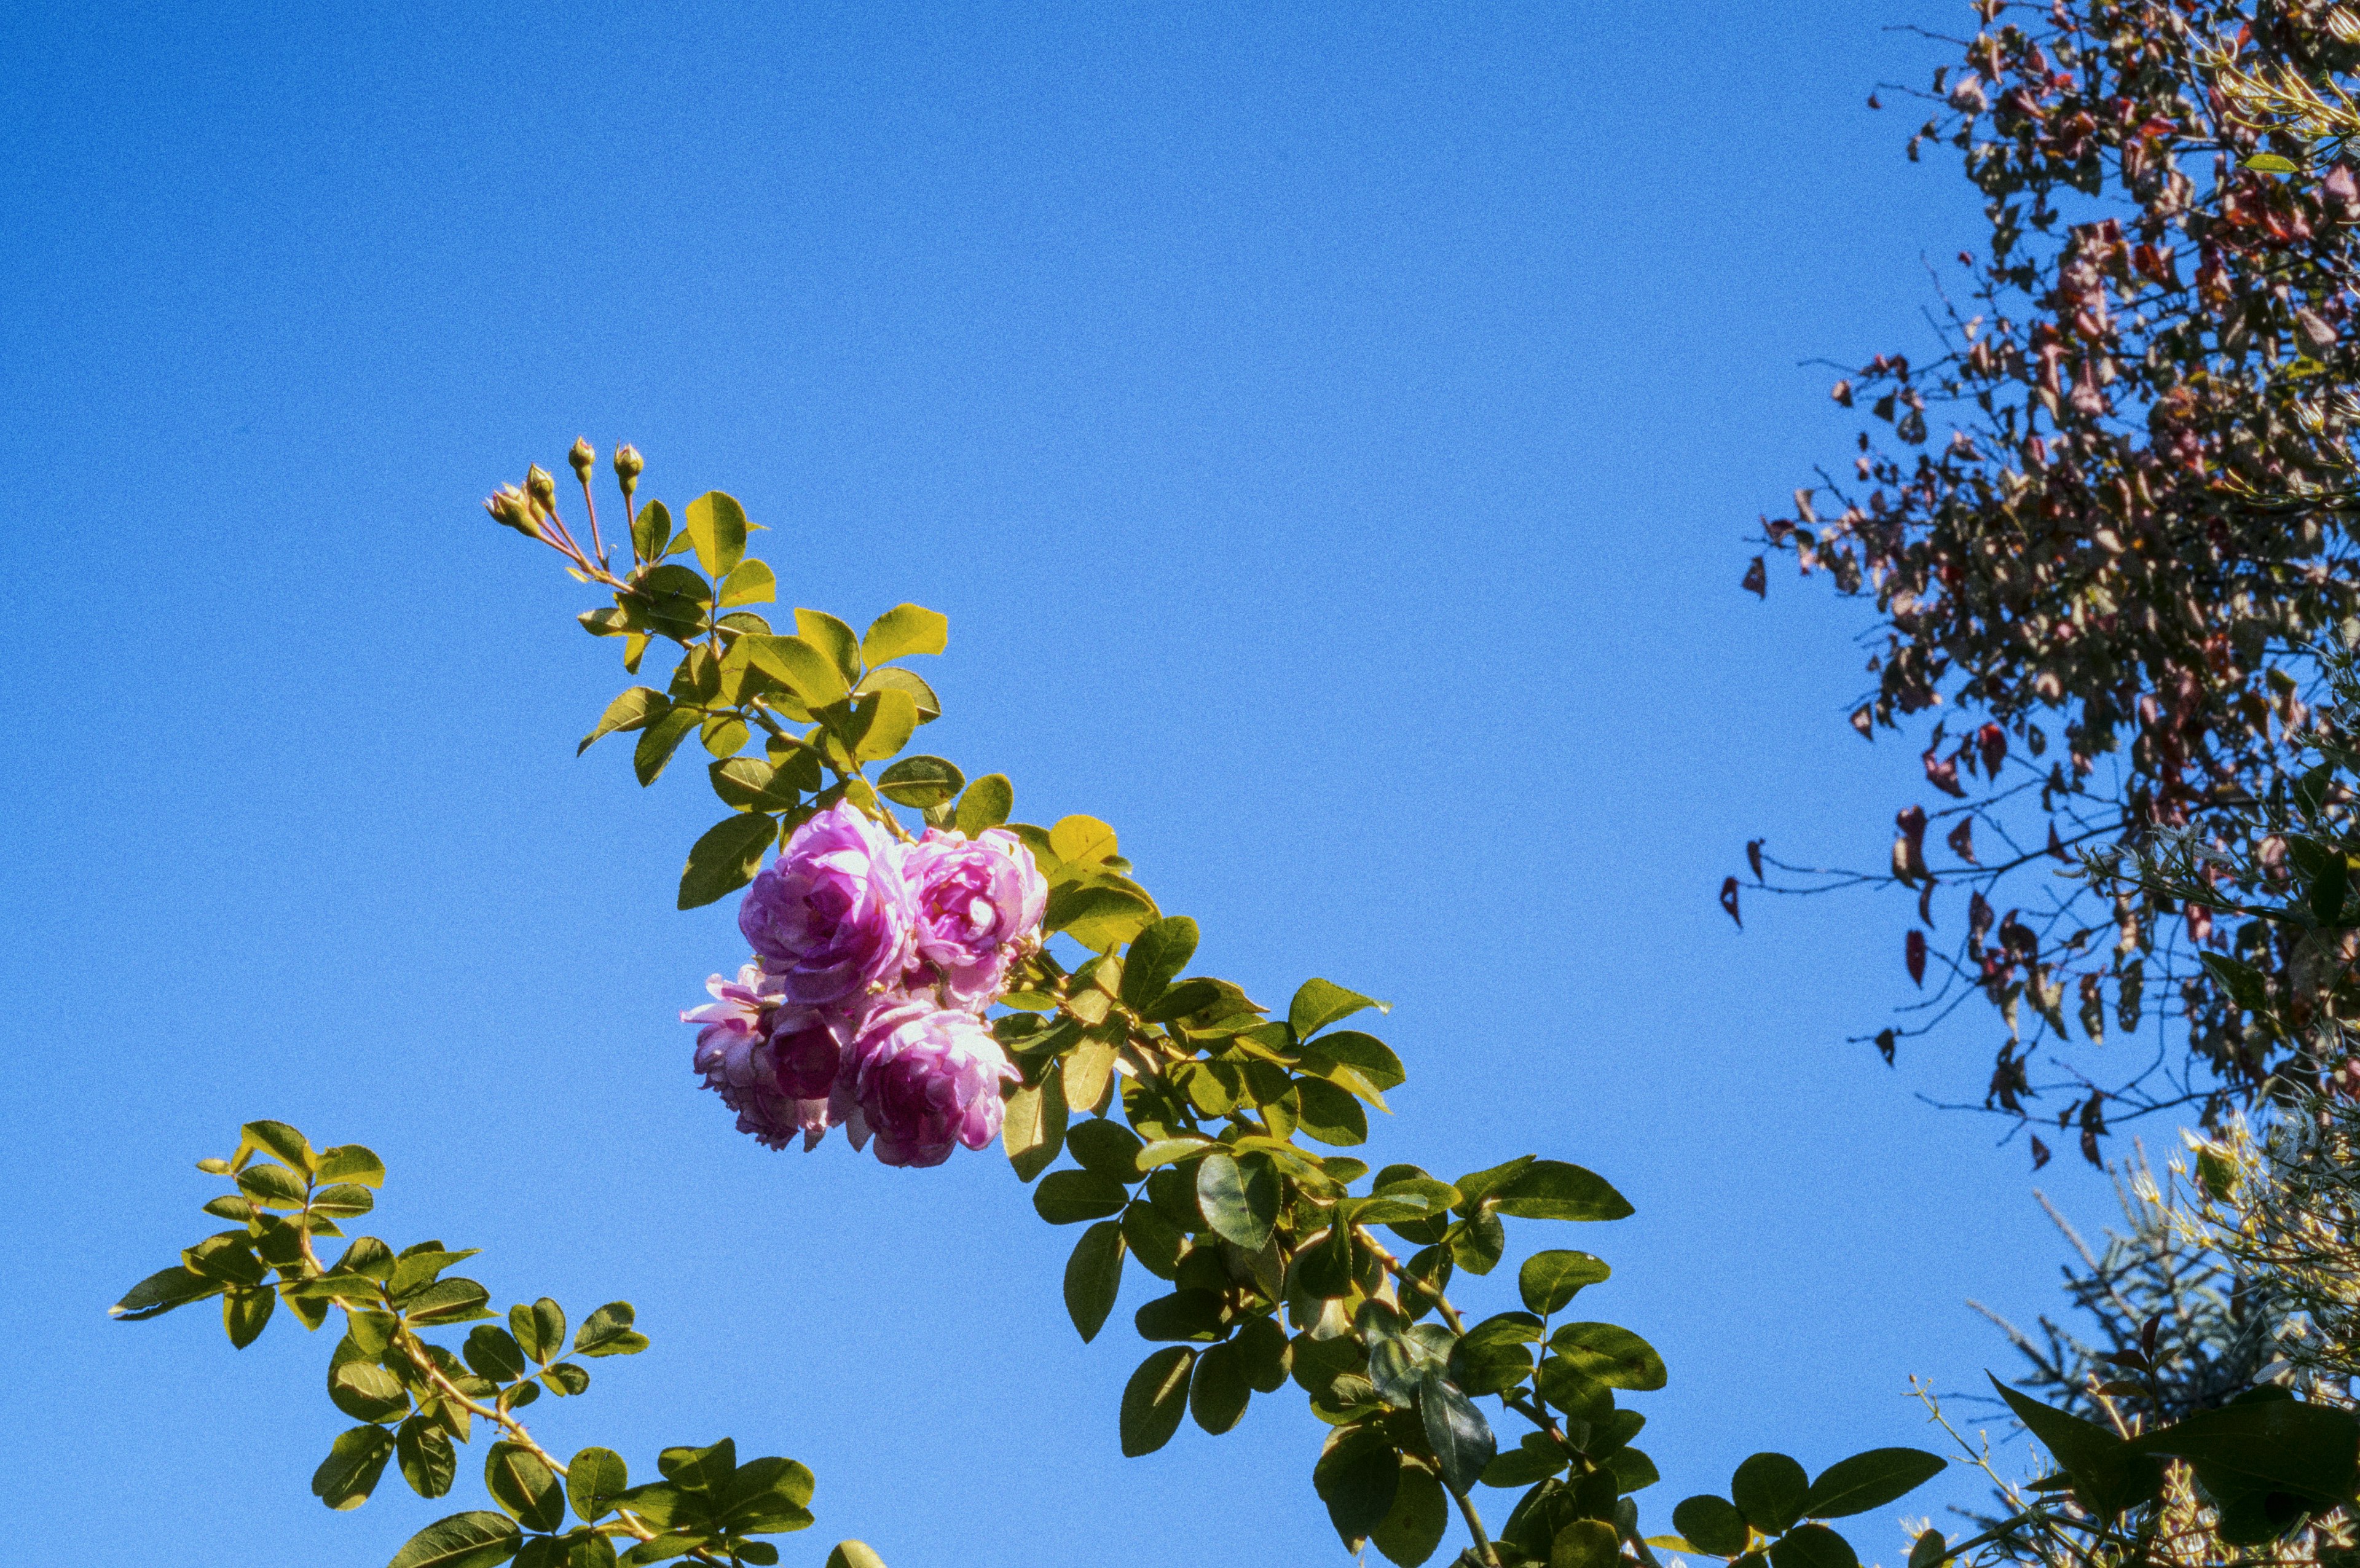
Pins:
x: 1332, y: 434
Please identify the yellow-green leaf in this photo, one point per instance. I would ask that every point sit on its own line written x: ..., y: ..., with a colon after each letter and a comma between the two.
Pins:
x: 903, y: 629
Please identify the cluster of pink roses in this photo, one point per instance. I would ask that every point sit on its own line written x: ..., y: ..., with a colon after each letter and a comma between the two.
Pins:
x: 874, y: 960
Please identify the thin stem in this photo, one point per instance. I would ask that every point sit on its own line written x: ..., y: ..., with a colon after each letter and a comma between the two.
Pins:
x: 1474, y: 1525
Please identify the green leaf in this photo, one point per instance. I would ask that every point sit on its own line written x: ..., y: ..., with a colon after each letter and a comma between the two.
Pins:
x: 1158, y: 953
x: 651, y: 531
x: 1238, y: 1198
x: 428, y: 1460
x: 349, y: 1473
x: 1108, y: 1148
x: 884, y: 722
x: 1321, y: 1001
x: 361, y: 1389
x: 1417, y: 1523
x: 1462, y: 1439
x: 1154, y: 1399
x: 765, y: 1497
x: 524, y: 1487
x: 594, y: 1478
x: 1491, y: 1358
x: 986, y: 804
x: 1479, y: 1185
x: 748, y: 583
x: 1536, y: 1458
x: 921, y: 782
x: 1633, y: 1471
x: 2271, y: 163
x: 2109, y: 1475
x: 716, y: 530
x: 608, y: 1332
x: 726, y: 858
x: 804, y: 670
x: 1032, y: 1126
x: 1262, y: 1356
x: 2277, y: 1444
x: 1550, y: 1279
x: 478, y: 1538
x: 905, y: 629
x: 1551, y: 1189
x: 1357, y: 1475
x: 495, y: 1354
x: 1812, y: 1546
x: 832, y: 638
x: 342, y: 1201
x: 1329, y: 1114
x: 162, y: 1291
x: 1868, y: 1481
x: 1184, y: 1314
x: 1585, y: 1543
x: 854, y: 1554
x: 281, y: 1142
x: 1365, y: 1054
x: 245, y: 1313
x: 1084, y: 840
x: 1094, y: 1277
x: 1611, y: 1355
x: 351, y: 1163
x: 660, y: 739
x: 272, y: 1186
x: 1713, y: 1524
x: 893, y: 678
x: 566, y: 1377
x: 635, y: 709
x: 1769, y: 1489
x: 450, y: 1301
x: 1100, y: 919
x: 1068, y: 1197
x: 1219, y: 1392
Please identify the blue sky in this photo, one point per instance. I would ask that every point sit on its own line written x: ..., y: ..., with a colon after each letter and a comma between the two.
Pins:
x: 1331, y: 436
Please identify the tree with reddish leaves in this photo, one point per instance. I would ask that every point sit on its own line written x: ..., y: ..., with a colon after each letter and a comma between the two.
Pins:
x: 2081, y: 520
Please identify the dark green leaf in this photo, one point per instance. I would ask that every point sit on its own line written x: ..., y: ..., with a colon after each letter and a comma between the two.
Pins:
x: 1094, y: 1277
x: 272, y: 1186
x: 766, y: 1496
x: 1614, y: 1356
x: 1551, y: 1189
x: 162, y: 1291
x: 1710, y: 1524
x: 651, y: 531
x: 1633, y: 1471
x: 1263, y: 1354
x: 428, y: 1460
x: 1358, y: 1472
x: 2281, y: 1446
x: 1586, y: 1543
x: 566, y: 1377
x: 1329, y: 1114
x: 349, y: 1473
x: 1183, y: 1315
x: 921, y: 781
x: 1462, y: 1439
x: 1769, y: 1489
x: 716, y: 530
x: 524, y: 1487
x: 1929, y: 1550
x: 495, y: 1354
x: 1154, y: 1399
x: 361, y: 1389
x: 706, y: 1469
x: 635, y: 709
x: 1534, y: 1458
x: 2109, y: 1476
x: 726, y: 858
x: 1238, y: 1198
x: 1321, y: 1001
x: 1550, y: 1279
x: 608, y: 1332
x: 1157, y: 955
x: 659, y: 739
x: 1106, y: 1148
x: 1868, y: 1481
x: 1493, y: 1357
x: 1812, y: 1546
x: 1218, y: 1393
x: 478, y: 1538
x: 594, y: 1479
x: 245, y: 1313
x: 1417, y: 1523
x: 1564, y: 1383
x: 1068, y: 1197
x: 449, y: 1301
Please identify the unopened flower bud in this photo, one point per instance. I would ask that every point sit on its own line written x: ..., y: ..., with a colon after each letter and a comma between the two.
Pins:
x: 627, y: 468
x: 509, y: 507
x: 584, y: 457
x: 541, y: 486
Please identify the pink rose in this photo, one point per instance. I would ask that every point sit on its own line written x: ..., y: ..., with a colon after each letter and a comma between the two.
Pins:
x: 927, y: 1079
x: 976, y: 905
